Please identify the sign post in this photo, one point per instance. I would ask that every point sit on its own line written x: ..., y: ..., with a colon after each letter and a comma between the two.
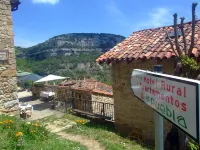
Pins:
x: 174, y: 98
x: 159, y: 141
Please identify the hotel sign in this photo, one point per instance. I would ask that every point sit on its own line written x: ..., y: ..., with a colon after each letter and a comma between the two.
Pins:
x: 175, y: 98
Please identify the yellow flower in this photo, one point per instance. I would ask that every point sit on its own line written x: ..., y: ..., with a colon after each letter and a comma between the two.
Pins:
x: 36, y: 125
x: 33, y: 131
x: 9, y: 127
x: 18, y: 134
x: 5, y: 121
x: 11, y: 121
x: 1, y: 122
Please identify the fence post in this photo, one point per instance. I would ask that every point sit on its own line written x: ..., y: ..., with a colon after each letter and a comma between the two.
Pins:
x: 159, y: 140
x: 104, y: 109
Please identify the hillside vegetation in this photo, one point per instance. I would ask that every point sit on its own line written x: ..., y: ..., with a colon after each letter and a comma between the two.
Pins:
x: 72, y: 55
x: 68, y: 44
x: 74, y: 66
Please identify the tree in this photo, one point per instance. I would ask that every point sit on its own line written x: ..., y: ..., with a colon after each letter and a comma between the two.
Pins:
x: 185, y: 66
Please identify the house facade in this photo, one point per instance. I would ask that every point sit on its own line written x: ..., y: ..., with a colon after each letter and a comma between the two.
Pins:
x: 141, y: 50
x: 91, y: 96
x: 8, y: 81
x: 87, y: 95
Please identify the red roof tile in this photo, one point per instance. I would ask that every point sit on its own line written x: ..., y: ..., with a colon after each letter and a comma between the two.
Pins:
x: 91, y: 85
x: 150, y: 43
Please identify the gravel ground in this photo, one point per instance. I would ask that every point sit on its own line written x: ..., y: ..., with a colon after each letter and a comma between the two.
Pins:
x: 41, y: 109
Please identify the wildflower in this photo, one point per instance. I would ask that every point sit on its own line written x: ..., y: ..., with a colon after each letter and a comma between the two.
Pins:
x: 18, y: 134
x: 9, y: 127
x: 36, y: 125
x: 33, y: 131
x: 1, y: 122
x: 6, y: 121
x: 11, y: 121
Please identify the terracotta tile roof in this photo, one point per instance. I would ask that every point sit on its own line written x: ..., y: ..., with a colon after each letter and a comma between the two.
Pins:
x: 91, y: 85
x: 150, y: 43
x: 68, y: 83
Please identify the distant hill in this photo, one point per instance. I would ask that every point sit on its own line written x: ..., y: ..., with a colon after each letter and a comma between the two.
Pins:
x: 67, y: 44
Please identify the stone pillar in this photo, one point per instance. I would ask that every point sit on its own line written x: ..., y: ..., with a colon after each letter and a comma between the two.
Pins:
x: 8, y: 80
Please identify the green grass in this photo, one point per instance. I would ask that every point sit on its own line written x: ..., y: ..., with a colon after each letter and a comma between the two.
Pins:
x: 103, y: 133
x: 10, y: 139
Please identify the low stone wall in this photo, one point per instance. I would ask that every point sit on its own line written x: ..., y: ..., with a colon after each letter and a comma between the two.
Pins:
x: 36, y: 89
x: 8, y: 81
x: 62, y: 92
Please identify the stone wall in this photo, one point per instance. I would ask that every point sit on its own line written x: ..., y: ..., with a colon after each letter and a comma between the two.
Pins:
x: 101, y: 98
x: 62, y: 92
x: 8, y: 82
x: 132, y: 116
x: 36, y: 89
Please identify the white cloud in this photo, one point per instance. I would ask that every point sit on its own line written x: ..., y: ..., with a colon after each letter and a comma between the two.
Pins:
x: 157, y: 18
x: 118, y: 15
x: 114, y: 10
x: 24, y: 42
x: 46, y: 1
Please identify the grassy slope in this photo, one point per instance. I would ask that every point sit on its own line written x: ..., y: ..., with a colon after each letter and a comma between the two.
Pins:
x: 105, y: 134
x: 32, y: 141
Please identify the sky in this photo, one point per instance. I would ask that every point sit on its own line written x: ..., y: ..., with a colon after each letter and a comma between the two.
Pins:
x: 38, y: 20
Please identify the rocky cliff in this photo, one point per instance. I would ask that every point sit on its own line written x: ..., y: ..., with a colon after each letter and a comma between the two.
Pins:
x: 68, y: 44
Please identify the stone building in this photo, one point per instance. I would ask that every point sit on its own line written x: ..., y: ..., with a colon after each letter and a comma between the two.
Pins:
x: 141, y: 50
x: 92, y: 96
x: 7, y: 55
x: 90, y: 89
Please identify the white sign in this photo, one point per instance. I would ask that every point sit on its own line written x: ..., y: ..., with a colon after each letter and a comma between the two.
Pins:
x: 175, y: 98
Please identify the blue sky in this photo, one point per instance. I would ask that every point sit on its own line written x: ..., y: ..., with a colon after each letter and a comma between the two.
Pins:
x: 39, y: 20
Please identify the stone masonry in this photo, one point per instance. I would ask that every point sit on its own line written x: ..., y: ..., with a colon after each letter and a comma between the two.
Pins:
x: 8, y: 81
x: 102, y: 98
x: 132, y: 116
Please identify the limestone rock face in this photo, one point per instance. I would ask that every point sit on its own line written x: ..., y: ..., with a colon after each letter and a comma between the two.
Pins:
x: 8, y: 80
x: 68, y: 44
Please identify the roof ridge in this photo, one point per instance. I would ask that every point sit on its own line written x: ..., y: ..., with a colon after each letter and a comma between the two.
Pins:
x: 148, y: 44
x: 189, y: 22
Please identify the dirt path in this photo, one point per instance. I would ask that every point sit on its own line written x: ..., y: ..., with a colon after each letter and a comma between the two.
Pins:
x: 90, y: 144
x: 83, y: 140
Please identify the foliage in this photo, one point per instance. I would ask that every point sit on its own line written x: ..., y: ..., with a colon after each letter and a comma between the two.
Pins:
x: 74, y: 66
x: 20, y: 135
x: 193, y: 145
x: 189, y: 63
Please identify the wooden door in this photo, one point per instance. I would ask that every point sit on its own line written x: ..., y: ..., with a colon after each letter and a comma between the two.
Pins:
x: 79, y: 101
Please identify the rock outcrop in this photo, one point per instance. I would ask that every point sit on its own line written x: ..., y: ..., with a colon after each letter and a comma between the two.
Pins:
x: 67, y: 44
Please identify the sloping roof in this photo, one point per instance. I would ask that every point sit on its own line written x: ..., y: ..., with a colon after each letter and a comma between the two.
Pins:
x: 20, y: 74
x: 150, y: 43
x: 68, y: 82
x: 50, y: 78
x: 30, y: 77
x: 89, y: 85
